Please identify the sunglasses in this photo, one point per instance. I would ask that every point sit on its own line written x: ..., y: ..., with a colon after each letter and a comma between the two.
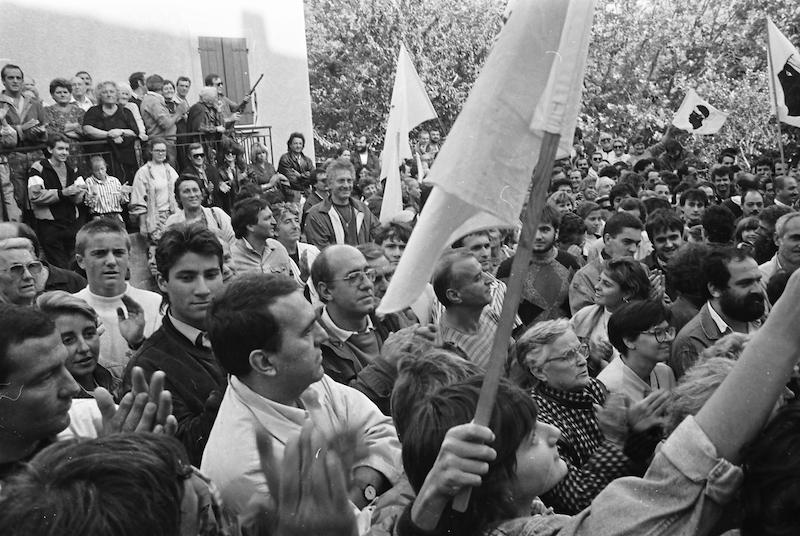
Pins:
x: 220, y: 84
x: 596, y: 159
x: 18, y: 270
x: 618, y: 147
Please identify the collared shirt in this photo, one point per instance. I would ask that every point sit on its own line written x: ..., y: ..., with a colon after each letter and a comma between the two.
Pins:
x: 336, y: 331
x: 274, y: 259
x: 105, y: 195
x: 476, y: 346
x: 190, y: 332
x: 620, y: 378
x: 723, y: 326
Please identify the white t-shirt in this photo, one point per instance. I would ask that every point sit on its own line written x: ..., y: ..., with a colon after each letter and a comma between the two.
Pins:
x: 113, y: 347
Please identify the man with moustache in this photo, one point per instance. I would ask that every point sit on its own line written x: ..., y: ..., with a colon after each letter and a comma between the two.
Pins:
x: 665, y: 231
x: 340, y: 219
x: 735, y: 303
x: 362, y: 158
x: 189, y: 262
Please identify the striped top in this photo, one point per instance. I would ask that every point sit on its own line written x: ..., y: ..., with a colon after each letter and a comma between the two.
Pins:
x: 105, y: 196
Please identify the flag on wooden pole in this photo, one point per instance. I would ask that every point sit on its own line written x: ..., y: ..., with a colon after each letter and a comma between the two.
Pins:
x: 481, y: 175
x: 410, y: 107
x: 697, y: 116
x: 784, y: 76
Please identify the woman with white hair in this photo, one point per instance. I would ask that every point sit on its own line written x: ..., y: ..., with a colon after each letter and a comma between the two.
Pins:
x: 592, y: 438
x: 124, y: 99
x: 20, y: 271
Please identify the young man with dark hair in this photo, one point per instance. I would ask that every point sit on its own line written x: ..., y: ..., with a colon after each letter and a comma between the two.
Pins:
x: 545, y: 292
x: 189, y: 263
x: 621, y: 238
x: 682, y: 275
x: 255, y: 248
x: 693, y: 204
x: 718, y: 226
x: 393, y: 237
x: 735, y: 303
x: 138, y: 86
x: 721, y: 180
x: 665, y: 230
x: 765, y: 246
x: 267, y: 338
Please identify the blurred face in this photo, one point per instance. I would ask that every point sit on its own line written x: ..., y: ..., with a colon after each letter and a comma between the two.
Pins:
x: 60, y: 152
x: 470, y: 283
x: 61, y: 95
x: 606, y: 143
x: 123, y: 97
x: 655, y: 343
x: 624, y: 244
x: 79, y: 336
x: 393, y: 249
x: 763, y: 171
x: 539, y: 467
x: 12, y: 80
x: 340, y: 185
x: 666, y: 242
x: 37, y: 394
x: 190, y: 195
x: 749, y: 236
x: 297, y: 145
x: 322, y: 182
x: 728, y: 160
x: 168, y: 91
x: 265, y: 225
x: 596, y: 159
x: 86, y: 79
x: 361, y: 144
x: 662, y: 191
x: 159, y: 153
x: 105, y: 261
x: 564, y: 367
x: 619, y: 148
x: 183, y: 88
x: 480, y: 247
x: 424, y: 138
x: 788, y: 194
x: 18, y: 279
x: 752, y: 203
x: 583, y: 166
x: 435, y: 136
x: 544, y: 239
x: 723, y: 185
x: 608, y: 293
x: 298, y: 361
x: 192, y: 283
x: 564, y: 206
x: 78, y: 87
x: 108, y: 94
x: 575, y: 179
x: 594, y: 222
x: 693, y: 211
x: 383, y: 274
x: 351, y: 290
x: 743, y: 299
x: 220, y: 85
x: 287, y: 228
x: 604, y: 186
x: 780, y: 169
x: 789, y: 243
x: 369, y: 190
x: 638, y: 149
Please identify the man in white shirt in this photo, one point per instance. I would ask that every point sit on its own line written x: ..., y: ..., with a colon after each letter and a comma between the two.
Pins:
x: 267, y: 338
x: 128, y: 314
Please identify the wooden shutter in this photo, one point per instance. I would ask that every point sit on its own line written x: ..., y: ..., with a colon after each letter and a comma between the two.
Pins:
x: 227, y: 57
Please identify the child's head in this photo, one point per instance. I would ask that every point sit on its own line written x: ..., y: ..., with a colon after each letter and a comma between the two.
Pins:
x: 98, y: 166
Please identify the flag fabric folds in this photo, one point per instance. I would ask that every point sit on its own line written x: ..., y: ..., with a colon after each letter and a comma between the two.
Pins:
x: 784, y: 76
x: 697, y: 116
x: 410, y: 106
x: 530, y: 84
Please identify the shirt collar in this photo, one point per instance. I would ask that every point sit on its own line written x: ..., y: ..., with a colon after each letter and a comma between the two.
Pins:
x: 721, y: 324
x: 336, y: 331
x: 190, y: 332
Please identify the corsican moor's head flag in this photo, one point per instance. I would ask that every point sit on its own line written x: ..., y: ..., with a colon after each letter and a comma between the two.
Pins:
x: 698, y: 116
x: 784, y: 76
x: 531, y: 84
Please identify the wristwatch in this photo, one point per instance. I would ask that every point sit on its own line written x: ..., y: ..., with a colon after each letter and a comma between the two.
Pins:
x: 369, y: 493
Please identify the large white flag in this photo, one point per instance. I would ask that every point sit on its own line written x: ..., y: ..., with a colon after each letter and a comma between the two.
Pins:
x: 784, y: 76
x: 531, y: 84
x: 410, y: 107
x: 698, y: 116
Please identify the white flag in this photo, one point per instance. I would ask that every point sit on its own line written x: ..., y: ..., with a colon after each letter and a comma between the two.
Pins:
x: 531, y: 84
x: 698, y: 116
x: 784, y: 76
x: 410, y: 107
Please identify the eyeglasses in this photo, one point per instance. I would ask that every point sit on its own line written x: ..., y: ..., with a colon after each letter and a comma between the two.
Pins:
x: 604, y: 140
x: 595, y: 159
x: 618, y: 147
x: 356, y: 278
x: 573, y: 355
x: 18, y: 270
x: 662, y: 334
x: 198, y: 155
x: 219, y: 84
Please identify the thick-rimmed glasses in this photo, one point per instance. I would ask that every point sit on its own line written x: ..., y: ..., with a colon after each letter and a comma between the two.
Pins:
x: 572, y: 355
x: 662, y: 334
x: 18, y: 270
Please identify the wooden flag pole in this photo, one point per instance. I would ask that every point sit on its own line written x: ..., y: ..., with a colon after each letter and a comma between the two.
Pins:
x: 519, y: 267
x: 775, y: 95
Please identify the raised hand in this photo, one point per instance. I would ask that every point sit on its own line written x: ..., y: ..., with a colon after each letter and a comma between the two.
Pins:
x: 132, y: 327
x: 146, y: 408
x: 648, y: 412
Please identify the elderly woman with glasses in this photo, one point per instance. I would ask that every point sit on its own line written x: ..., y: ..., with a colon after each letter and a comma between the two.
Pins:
x: 592, y: 441
x: 21, y: 273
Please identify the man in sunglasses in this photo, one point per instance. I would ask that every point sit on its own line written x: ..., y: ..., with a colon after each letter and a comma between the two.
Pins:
x: 230, y: 110
x: 19, y: 270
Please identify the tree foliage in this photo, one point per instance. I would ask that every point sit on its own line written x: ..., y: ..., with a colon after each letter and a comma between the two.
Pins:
x: 644, y: 55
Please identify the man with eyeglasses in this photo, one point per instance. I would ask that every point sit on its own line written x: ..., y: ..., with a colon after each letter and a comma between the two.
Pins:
x: 346, y: 286
x: 19, y: 270
x: 640, y: 331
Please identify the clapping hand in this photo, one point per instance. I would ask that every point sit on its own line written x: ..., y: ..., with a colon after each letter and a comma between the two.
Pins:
x: 132, y: 327
x: 146, y: 408
x: 648, y: 412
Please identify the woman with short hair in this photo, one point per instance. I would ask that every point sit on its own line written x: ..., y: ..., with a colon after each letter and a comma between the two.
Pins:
x: 64, y: 117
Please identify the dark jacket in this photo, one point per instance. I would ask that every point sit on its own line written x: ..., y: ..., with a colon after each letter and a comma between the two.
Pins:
x: 373, y: 163
x: 293, y: 169
x: 320, y: 230
x: 192, y: 376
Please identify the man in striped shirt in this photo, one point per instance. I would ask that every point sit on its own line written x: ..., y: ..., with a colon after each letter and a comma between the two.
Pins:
x: 105, y: 193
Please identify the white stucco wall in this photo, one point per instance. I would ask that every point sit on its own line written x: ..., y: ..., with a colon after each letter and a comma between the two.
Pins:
x: 110, y: 40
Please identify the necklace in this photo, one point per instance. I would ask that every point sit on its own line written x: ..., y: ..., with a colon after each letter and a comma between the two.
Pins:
x: 341, y: 215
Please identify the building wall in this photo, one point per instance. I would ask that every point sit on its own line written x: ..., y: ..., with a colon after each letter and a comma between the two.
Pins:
x: 111, y: 40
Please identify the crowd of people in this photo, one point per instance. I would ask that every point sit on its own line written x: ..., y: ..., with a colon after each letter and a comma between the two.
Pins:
x: 251, y: 388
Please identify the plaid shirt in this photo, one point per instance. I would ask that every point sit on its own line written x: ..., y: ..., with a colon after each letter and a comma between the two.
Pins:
x: 592, y: 462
